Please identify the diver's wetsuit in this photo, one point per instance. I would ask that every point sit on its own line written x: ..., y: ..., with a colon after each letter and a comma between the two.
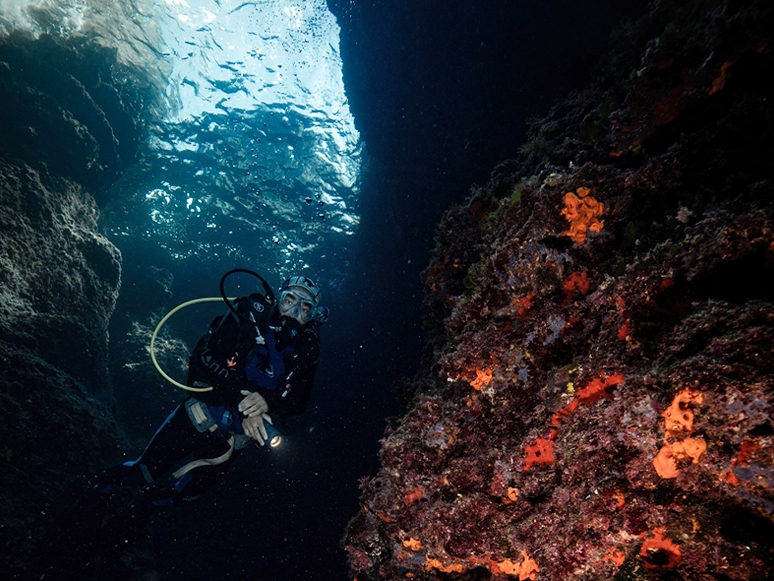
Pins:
x: 280, y: 365
x: 281, y: 369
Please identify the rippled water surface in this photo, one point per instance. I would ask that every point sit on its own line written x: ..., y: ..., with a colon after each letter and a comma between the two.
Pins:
x: 254, y: 154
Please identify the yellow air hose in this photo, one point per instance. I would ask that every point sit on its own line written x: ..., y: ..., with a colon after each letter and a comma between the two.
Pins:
x: 156, y: 332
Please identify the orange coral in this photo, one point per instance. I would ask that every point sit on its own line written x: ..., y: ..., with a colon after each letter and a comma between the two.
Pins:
x: 581, y: 211
x: 511, y: 495
x: 577, y: 284
x: 563, y: 413
x: 412, y: 544
x: 523, y: 305
x: 624, y: 332
x: 483, y: 377
x: 678, y: 422
x: 679, y: 416
x: 541, y: 452
x: 666, y: 460
x: 412, y: 496
x: 689, y: 449
x: 598, y: 388
x: 451, y: 568
x: 746, y: 450
x: 720, y: 82
x: 665, y: 463
x: 615, y: 556
x: 730, y: 477
x: 660, y: 553
x: 527, y: 569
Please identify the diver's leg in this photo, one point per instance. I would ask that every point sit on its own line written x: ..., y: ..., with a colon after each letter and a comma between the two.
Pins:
x: 203, y: 479
x: 194, y: 483
x: 84, y: 534
x: 125, y: 532
x: 174, y: 439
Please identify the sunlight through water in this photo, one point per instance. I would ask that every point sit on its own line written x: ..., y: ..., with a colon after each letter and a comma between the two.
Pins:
x: 255, y: 156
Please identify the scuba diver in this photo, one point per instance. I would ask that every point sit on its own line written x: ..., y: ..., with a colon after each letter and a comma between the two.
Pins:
x: 256, y: 362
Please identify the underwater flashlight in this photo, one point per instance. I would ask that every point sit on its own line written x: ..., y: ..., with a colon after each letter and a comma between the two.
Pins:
x: 273, y: 434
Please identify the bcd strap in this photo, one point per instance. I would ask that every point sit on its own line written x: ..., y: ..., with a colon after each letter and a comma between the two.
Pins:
x: 206, y: 461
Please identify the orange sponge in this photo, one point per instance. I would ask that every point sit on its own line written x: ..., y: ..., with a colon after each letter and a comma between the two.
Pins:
x: 483, y: 377
x: 660, y: 553
x: 576, y: 284
x: 678, y: 422
x: 582, y: 212
x: 679, y: 416
x: 541, y: 452
x: 527, y: 569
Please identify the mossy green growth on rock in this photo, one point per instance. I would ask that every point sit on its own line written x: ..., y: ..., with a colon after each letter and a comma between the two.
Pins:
x: 489, y: 221
x: 473, y: 277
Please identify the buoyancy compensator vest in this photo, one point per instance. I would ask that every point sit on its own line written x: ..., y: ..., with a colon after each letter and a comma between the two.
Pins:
x: 267, y: 364
x: 218, y: 358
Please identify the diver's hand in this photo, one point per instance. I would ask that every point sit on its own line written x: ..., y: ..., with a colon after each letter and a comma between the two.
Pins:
x: 255, y: 429
x: 253, y: 404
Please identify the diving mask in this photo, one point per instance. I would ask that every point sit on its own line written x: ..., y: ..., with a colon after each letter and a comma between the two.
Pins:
x: 297, y: 304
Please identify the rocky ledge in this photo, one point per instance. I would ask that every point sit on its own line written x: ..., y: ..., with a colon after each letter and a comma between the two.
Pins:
x: 597, y: 391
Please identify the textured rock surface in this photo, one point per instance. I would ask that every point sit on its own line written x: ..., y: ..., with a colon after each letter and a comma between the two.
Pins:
x: 65, y: 105
x: 66, y: 126
x: 598, y: 390
x: 59, y: 284
x: 60, y: 276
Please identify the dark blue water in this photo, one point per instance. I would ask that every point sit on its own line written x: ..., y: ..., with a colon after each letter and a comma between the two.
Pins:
x: 296, y: 137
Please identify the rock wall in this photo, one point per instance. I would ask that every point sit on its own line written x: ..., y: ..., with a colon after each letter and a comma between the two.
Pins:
x: 68, y: 104
x: 59, y: 280
x: 597, y: 394
x: 60, y: 276
x: 66, y: 128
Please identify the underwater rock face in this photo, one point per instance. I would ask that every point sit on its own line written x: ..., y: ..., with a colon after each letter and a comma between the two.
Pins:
x: 59, y: 281
x: 71, y: 107
x: 60, y: 277
x: 598, y: 390
x: 71, y: 119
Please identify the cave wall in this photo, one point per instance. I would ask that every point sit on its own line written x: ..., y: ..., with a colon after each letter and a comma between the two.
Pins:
x: 67, y: 129
x: 59, y: 280
x: 597, y: 389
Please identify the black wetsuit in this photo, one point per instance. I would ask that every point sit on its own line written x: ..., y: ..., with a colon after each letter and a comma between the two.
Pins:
x: 281, y: 368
